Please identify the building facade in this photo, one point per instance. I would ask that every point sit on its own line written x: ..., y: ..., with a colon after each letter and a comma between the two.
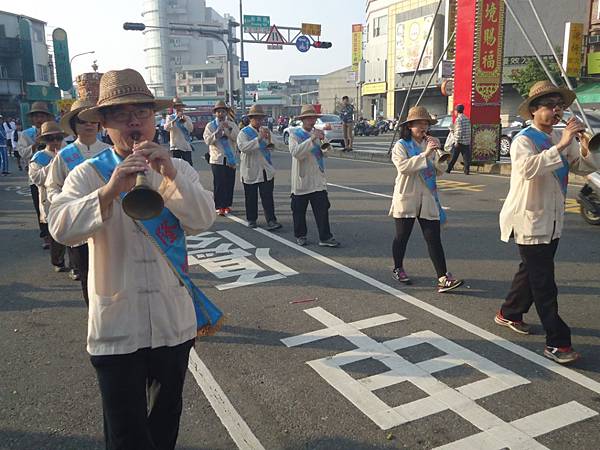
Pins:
x: 168, y: 52
x: 209, y: 81
x: 335, y: 85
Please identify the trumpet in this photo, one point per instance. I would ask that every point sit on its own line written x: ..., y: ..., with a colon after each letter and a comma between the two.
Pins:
x: 593, y: 140
x: 443, y: 155
x: 270, y: 145
x: 325, y: 145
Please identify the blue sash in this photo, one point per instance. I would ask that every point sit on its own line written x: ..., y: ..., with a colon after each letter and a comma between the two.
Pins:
x: 71, y: 156
x: 224, y: 141
x: 303, y: 135
x: 542, y: 142
x: 182, y: 127
x: 166, y: 233
x: 427, y: 174
x: 252, y: 134
x: 41, y: 158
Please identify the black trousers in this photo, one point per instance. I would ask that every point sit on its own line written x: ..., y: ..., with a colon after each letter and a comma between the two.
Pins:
x: 57, y: 252
x: 78, y: 260
x: 432, y: 235
x: 186, y: 156
x: 251, y: 192
x: 35, y: 197
x: 223, y: 184
x: 319, y: 202
x: 142, y: 396
x: 534, y: 284
x: 465, y: 151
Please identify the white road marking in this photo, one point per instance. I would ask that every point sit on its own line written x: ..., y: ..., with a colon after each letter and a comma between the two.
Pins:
x: 236, y: 426
x: 533, y: 357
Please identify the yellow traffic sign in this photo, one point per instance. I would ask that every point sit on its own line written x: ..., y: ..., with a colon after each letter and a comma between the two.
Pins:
x: 312, y: 29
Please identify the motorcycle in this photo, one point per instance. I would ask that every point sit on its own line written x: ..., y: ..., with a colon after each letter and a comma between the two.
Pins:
x: 383, y: 126
x: 589, y: 199
x: 364, y: 128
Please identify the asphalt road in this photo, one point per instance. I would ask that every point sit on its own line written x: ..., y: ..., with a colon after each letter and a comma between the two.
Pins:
x: 383, y: 365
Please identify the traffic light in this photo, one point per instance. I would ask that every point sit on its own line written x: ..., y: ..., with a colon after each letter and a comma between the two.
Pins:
x: 321, y: 44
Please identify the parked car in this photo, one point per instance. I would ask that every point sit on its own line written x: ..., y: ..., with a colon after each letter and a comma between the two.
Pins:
x: 442, y: 128
x: 334, y: 131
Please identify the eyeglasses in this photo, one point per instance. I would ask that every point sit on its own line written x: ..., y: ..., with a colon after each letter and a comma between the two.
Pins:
x: 552, y: 104
x: 84, y: 122
x: 125, y: 116
x: 52, y: 138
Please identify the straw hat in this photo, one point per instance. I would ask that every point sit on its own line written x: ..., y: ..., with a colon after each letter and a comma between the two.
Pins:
x: 419, y: 113
x: 308, y: 111
x: 256, y: 110
x: 77, y: 106
x: 177, y: 102
x: 221, y: 105
x: 49, y: 128
x: 39, y: 107
x: 122, y: 87
x: 544, y: 88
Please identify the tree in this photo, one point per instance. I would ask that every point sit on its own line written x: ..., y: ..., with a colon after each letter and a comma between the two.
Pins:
x: 525, y: 78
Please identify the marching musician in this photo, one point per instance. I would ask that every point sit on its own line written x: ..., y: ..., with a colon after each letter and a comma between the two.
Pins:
x: 52, y: 136
x: 180, y: 129
x: 29, y: 143
x: 309, y: 182
x: 533, y: 211
x: 417, y: 160
x: 143, y: 313
x: 256, y: 169
x: 221, y: 137
x: 85, y: 146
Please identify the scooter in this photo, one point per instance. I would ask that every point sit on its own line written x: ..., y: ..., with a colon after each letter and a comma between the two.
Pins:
x: 589, y: 199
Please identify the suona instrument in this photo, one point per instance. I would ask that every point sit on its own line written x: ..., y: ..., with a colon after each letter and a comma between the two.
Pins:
x: 593, y: 140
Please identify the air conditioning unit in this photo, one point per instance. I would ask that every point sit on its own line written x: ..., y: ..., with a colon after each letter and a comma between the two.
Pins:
x: 594, y: 38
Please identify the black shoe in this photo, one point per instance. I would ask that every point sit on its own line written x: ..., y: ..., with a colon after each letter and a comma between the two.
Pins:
x: 62, y: 268
x: 301, y: 241
x: 74, y: 275
x: 273, y: 225
x: 252, y: 224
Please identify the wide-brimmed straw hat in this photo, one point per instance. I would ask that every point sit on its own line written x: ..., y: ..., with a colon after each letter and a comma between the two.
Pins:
x: 177, y: 102
x: 541, y: 88
x: 122, y: 87
x: 40, y: 107
x: 308, y: 111
x: 419, y: 113
x: 50, y: 128
x: 256, y: 110
x: 221, y: 105
x: 77, y: 106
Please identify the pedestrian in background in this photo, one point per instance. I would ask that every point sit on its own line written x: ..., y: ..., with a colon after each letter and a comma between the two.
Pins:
x: 4, y: 130
x: 416, y: 197
x: 534, y: 209
x: 347, y: 117
x: 180, y: 129
x: 462, y: 140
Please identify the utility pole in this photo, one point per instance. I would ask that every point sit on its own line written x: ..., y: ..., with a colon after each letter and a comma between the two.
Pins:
x: 243, y: 87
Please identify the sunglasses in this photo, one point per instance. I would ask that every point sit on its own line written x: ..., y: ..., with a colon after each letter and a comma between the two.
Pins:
x: 53, y: 138
x: 84, y: 122
x: 125, y: 116
x: 552, y: 104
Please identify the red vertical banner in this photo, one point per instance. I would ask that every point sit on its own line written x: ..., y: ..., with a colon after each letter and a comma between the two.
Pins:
x: 478, y: 73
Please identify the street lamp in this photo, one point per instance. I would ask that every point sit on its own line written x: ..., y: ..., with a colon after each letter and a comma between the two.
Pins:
x: 215, y: 33
x: 80, y: 54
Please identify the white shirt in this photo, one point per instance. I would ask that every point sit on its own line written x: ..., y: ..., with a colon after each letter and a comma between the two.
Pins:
x: 306, y: 174
x: 215, y: 148
x: 252, y: 160
x: 177, y: 138
x: 38, y: 175
x: 136, y: 301
x: 535, y: 205
x: 25, y: 148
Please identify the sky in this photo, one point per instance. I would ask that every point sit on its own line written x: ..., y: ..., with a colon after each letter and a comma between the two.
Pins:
x: 116, y: 48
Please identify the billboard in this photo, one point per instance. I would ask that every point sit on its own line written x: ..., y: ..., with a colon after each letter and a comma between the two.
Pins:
x: 410, y: 39
x: 357, y: 31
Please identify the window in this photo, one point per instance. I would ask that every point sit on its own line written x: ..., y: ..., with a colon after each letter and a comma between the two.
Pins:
x: 3, y: 71
x: 197, y: 74
x: 41, y: 72
x: 380, y: 26
x: 2, y: 31
x: 196, y: 88
x: 176, y: 59
x: 38, y: 32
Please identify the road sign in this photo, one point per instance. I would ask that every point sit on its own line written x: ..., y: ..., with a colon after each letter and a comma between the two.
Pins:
x: 312, y: 29
x: 274, y: 47
x: 244, y: 69
x: 275, y: 36
x: 257, y: 23
x: 61, y: 59
x: 303, y: 44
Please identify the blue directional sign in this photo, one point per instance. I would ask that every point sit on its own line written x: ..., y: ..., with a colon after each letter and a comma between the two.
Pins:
x: 244, y: 69
x: 303, y: 44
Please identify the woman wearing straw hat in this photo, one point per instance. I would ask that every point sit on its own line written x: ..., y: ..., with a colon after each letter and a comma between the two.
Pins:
x: 309, y: 182
x: 85, y: 146
x: 52, y: 136
x: 534, y: 209
x: 415, y: 196
x: 180, y: 129
x: 256, y: 169
x: 221, y: 137
x: 29, y: 142
x: 145, y: 311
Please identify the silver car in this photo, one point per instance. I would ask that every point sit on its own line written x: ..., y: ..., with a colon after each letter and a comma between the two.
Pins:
x: 329, y: 123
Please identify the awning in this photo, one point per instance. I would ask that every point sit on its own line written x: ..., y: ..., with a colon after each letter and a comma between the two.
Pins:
x: 588, y: 93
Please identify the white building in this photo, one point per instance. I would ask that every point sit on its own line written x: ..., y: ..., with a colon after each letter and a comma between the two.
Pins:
x: 168, y: 52
x: 209, y: 80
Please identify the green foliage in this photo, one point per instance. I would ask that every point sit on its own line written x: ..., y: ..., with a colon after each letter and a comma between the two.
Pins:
x: 524, y: 78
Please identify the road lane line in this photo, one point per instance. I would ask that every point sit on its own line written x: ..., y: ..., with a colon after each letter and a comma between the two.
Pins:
x: 533, y: 357
x: 237, y: 428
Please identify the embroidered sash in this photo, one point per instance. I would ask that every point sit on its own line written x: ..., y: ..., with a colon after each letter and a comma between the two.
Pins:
x: 71, y: 156
x: 166, y: 233
x: 252, y: 134
x: 224, y: 141
x: 302, y: 136
x: 182, y: 127
x: 42, y: 158
x: 542, y: 142
x: 30, y: 133
x: 427, y: 175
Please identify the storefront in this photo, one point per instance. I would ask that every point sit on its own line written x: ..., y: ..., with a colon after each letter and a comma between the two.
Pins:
x: 374, y: 100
